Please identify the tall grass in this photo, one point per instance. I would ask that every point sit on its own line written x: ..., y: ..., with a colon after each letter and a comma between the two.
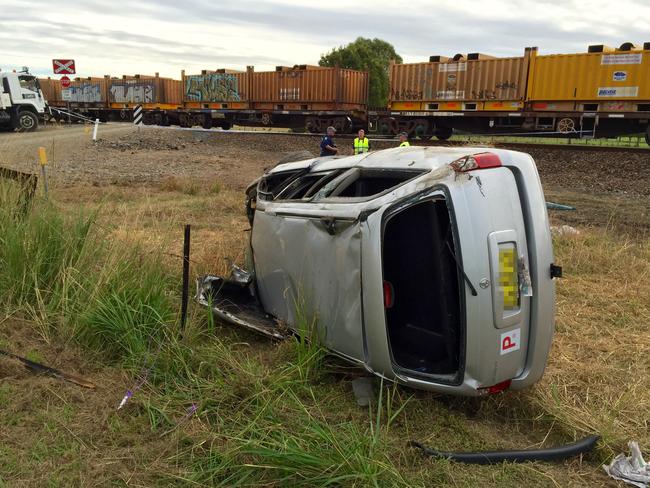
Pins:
x: 57, y: 271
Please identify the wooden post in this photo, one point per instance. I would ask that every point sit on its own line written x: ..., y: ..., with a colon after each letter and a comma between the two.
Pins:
x: 186, y: 277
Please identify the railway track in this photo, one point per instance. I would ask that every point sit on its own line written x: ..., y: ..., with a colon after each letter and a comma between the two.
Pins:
x: 520, y: 146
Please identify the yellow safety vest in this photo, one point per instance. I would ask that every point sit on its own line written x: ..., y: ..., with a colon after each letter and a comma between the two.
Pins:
x: 405, y: 144
x: 361, y: 145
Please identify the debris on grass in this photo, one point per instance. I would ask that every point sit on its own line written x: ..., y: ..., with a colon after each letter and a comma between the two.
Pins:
x: 632, y: 470
x: 363, y: 390
x: 519, y: 456
x: 38, y: 368
x: 558, y: 206
x: 564, y: 230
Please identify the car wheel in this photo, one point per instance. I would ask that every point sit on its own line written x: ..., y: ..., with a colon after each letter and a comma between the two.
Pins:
x: 27, y: 121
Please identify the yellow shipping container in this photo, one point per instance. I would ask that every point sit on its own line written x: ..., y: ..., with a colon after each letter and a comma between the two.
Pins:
x: 594, y: 77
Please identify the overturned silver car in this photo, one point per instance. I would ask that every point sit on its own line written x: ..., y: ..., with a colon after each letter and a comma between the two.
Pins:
x: 428, y: 266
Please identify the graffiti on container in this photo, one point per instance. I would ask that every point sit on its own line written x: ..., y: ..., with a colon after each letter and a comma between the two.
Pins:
x: 129, y: 92
x: 506, y: 85
x: 485, y: 94
x: 212, y: 87
x: 406, y: 94
x: 291, y: 74
x: 496, y: 93
x: 85, y: 92
x: 289, y: 93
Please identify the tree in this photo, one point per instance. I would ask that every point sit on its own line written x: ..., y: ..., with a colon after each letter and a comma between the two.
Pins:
x: 372, y: 55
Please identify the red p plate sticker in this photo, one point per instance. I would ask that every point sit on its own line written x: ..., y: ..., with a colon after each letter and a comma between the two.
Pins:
x: 510, y: 341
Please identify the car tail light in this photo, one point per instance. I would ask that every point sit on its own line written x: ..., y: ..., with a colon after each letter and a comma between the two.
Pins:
x: 476, y: 161
x: 389, y: 294
x: 498, y: 388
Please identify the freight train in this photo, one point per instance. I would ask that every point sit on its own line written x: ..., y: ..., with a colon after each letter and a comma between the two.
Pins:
x: 603, y: 92
x: 301, y: 96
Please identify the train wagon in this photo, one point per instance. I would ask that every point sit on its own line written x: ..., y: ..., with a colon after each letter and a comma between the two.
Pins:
x: 600, y: 93
x: 110, y: 98
x: 458, y: 92
x: 605, y: 91
x: 313, y: 97
x: 301, y: 96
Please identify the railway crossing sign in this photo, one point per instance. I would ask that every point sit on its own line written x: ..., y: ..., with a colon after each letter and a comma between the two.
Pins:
x: 137, y: 115
x: 65, y: 82
x: 63, y: 66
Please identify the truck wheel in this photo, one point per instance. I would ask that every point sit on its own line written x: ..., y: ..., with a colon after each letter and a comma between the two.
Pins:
x: 27, y: 121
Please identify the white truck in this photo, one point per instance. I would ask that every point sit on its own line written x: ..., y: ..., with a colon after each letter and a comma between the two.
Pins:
x: 22, y: 103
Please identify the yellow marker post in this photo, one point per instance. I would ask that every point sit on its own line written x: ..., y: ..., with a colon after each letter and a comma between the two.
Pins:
x: 42, y: 155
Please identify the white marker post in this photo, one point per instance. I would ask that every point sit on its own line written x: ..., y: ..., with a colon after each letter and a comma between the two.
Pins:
x: 95, y: 129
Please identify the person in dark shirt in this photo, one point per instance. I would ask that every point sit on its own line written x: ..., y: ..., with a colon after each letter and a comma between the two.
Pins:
x: 327, y: 146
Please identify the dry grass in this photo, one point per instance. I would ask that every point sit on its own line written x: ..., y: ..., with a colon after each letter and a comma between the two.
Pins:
x: 597, y: 379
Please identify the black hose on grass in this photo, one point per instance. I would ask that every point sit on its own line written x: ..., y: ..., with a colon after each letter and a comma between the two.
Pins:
x: 493, y: 457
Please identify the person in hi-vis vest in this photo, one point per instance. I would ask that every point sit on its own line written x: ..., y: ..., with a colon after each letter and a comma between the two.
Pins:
x: 361, y: 143
x: 404, y: 139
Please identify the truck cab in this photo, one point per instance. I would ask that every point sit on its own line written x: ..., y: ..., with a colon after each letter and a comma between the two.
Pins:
x: 22, y: 103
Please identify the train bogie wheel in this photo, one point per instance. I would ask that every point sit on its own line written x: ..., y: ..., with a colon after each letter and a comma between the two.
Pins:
x: 386, y: 126
x: 266, y: 119
x: 566, y: 125
x: 421, y: 128
x: 444, y: 133
x: 647, y: 135
x: 312, y: 124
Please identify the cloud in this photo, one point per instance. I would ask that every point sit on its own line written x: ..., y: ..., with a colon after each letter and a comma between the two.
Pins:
x: 166, y: 36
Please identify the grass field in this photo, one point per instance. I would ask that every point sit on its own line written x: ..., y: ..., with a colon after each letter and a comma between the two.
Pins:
x: 91, y: 284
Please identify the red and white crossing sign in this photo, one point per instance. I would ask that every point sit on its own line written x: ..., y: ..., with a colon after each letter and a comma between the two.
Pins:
x: 65, y: 82
x: 63, y: 66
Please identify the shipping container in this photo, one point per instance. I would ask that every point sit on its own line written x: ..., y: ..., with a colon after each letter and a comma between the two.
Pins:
x: 593, y: 81
x: 51, y: 89
x: 150, y: 91
x: 86, y: 92
x: 475, y: 82
x: 306, y: 87
x: 220, y: 89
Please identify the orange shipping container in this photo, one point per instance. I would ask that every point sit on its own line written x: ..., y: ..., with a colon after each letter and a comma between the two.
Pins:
x: 478, y: 78
x: 51, y: 89
x: 319, y: 88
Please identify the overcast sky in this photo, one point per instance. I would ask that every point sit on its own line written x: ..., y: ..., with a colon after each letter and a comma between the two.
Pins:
x: 165, y: 36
